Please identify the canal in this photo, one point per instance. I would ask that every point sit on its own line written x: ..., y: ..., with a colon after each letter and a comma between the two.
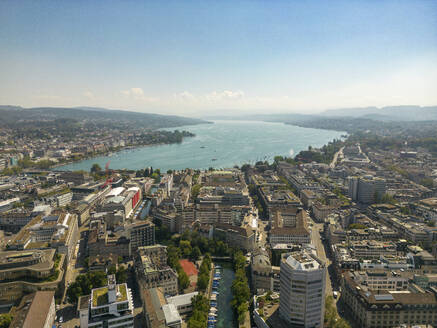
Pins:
x: 225, y: 317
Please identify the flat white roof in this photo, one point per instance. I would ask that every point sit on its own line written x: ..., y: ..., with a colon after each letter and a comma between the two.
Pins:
x: 183, y: 299
x: 115, y: 192
x: 171, y: 314
x: 302, y: 261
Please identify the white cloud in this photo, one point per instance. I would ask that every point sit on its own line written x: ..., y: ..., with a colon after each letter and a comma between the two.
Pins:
x: 225, y: 95
x: 138, y: 95
x: 185, y: 96
x: 89, y: 95
x: 133, y: 92
x: 218, y: 98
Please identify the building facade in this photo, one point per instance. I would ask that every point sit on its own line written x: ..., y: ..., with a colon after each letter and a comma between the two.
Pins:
x: 302, y: 295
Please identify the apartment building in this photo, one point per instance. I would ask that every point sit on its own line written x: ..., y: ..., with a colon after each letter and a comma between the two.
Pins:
x: 141, y: 233
x: 152, y: 269
x: 284, y: 233
x: 388, y: 308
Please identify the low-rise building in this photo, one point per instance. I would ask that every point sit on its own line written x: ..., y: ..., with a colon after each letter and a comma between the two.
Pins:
x: 157, y: 312
x: 36, y: 310
x: 23, y: 272
x: 59, y: 230
x: 239, y: 237
x: 387, y: 308
x: 182, y: 302
x: 264, y: 276
x: 152, y: 269
x: 285, y: 234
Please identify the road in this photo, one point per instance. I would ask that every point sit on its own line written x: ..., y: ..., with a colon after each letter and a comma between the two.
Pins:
x: 334, y: 160
x: 331, y: 283
x: 317, y: 242
x: 67, y: 311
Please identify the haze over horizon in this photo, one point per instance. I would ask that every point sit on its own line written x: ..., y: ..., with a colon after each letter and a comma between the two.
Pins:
x: 201, y: 58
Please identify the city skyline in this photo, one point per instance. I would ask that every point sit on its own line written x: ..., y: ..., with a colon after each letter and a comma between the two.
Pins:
x: 200, y: 58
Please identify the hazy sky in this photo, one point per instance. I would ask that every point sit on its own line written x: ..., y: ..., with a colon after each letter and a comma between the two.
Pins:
x: 202, y: 57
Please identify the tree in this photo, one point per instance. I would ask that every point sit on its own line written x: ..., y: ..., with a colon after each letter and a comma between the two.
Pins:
x: 195, y: 190
x: 199, y: 315
x: 195, y: 253
x: 185, y: 246
x: 332, y: 319
x: 240, y: 287
x: 121, y: 275
x: 202, y: 282
x: 156, y: 176
x: 139, y: 173
x: 5, y: 320
x: 112, y: 269
x: 85, y: 283
x: 183, y: 280
x: 95, y: 169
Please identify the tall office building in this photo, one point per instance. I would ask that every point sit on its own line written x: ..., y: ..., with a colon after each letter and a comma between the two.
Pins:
x: 365, y: 189
x: 302, y: 297
x: 352, y: 187
x: 370, y: 188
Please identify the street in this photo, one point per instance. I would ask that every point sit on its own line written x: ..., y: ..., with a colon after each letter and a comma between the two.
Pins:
x: 321, y: 253
x: 334, y: 160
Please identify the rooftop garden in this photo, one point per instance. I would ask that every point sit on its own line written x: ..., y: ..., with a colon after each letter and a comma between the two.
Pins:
x: 100, y: 296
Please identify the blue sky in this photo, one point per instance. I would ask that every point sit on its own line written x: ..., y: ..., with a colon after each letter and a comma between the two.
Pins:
x: 203, y: 57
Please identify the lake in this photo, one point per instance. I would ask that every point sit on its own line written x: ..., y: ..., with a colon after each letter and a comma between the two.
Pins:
x: 222, y: 144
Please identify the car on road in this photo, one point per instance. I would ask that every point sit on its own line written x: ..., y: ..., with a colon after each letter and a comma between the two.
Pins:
x: 335, y: 294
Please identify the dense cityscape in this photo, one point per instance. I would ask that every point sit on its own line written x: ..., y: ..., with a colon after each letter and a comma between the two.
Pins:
x: 338, y: 236
x: 218, y: 164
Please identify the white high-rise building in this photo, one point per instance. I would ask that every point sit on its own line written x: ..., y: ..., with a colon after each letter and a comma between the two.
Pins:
x: 107, y: 307
x: 302, y: 297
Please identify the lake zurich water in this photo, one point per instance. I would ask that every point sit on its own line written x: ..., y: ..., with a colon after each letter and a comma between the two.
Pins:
x: 222, y: 144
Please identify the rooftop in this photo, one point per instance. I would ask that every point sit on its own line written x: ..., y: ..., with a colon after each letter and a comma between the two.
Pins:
x: 183, y: 299
x: 99, y: 296
x: 171, y: 314
x: 33, y: 310
x: 302, y: 261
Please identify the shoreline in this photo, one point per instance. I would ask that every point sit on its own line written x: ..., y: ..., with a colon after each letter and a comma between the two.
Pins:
x: 108, y: 153
x: 196, y: 158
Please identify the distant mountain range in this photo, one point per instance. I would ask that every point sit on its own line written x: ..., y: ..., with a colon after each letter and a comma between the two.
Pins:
x: 383, y: 114
x: 14, y: 115
x: 391, y: 113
